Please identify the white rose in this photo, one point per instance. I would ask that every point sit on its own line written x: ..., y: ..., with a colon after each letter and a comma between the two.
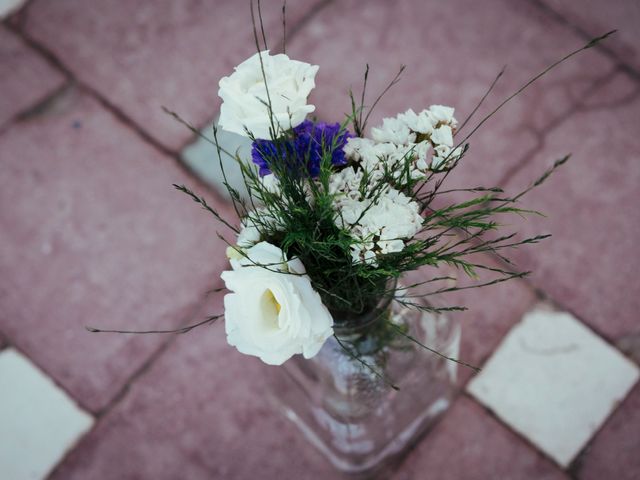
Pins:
x: 244, y: 95
x: 273, y: 312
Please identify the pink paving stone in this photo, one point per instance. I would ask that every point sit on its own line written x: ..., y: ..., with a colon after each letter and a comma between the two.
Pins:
x: 492, y: 311
x: 590, y: 264
x: 453, y: 51
x: 25, y: 78
x: 201, y: 407
x: 595, y: 17
x: 613, y: 453
x: 142, y: 56
x: 471, y: 444
x: 94, y: 234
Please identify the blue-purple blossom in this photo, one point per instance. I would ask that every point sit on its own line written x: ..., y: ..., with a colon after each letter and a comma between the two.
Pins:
x: 305, y: 149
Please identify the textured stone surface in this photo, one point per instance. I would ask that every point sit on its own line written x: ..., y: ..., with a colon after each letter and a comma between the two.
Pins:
x: 25, y: 78
x: 590, y: 264
x: 614, y: 450
x: 453, y: 50
x: 554, y: 381
x: 470, y: 444
x: 94, y: 234
x: 201, y: 157
x: 154, y: 54
x: 595, y: 17
x: 39, y: 421
x: 199, y: 412
x: 491, y: 311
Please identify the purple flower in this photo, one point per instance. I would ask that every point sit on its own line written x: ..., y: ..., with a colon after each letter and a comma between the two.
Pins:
x: 309, y: 143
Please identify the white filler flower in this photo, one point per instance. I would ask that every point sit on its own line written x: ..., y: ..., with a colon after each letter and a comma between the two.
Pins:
x: 244, y: 95
x: 273, y: 312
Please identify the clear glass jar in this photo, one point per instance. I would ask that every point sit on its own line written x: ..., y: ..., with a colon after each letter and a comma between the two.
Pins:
x: 352, y: 414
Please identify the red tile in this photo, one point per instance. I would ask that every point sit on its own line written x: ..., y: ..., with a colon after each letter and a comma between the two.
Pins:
x: 491, y: 311
x: 143, y: 56
x: 590, y: 264
x: 453, y: 50
x: 94, y: 234
x: 594, y: 17
x: 470, y: 444
x: 630, y: 346
x: 201, y: 406
x: 613, y: 453
x: 25, y: 78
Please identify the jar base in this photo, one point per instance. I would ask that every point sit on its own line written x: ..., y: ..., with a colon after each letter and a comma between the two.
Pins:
x: 374, y: 463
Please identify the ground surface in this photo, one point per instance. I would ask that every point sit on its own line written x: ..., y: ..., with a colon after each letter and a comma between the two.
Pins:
x: 91, y: 232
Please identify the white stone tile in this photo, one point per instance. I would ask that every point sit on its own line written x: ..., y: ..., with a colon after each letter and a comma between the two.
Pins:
x: 202, y: 159
x: 7, y: 7
x: 554, y: 381
x: 38, y: 421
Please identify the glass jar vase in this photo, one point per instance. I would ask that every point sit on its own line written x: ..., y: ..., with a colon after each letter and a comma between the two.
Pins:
x: 371, y: 391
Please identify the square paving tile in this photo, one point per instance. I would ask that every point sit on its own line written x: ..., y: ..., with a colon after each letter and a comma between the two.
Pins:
x: 201, y: 157
x: 453, y: 50
x: 39, y: 421
x: 142, y: 56
x: 199, y: 412
x: 594, y: 17
x: 554, y: 381
x: 590, y: 264
x: 94, y: 234
x: 25, y: 77
x: 613, y: 453
x: 470, y: 444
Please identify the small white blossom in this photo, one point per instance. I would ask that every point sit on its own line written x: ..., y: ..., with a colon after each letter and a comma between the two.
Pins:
x: 418, y: 122
x: 271, y: 183
x: 379, y: 227
x: 393, y: 130
x: 442, y: 136
x: 443, y: 115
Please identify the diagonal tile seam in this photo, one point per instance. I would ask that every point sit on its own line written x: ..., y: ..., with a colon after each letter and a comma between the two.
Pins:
x: 10, y: 343
x: 17, y: 18
x: 530, y: 445
x: 576, y: 106
x: 148, y: 363
x: 36, y: 106
x: 119, y: 115
x: 139, y: 373
x: 559, y: 18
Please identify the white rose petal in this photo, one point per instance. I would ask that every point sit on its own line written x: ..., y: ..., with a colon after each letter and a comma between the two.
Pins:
x: 273, y: 311
x: 244, y: 95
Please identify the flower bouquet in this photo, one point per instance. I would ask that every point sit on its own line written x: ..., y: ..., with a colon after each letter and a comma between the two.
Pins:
x: 334, y: 217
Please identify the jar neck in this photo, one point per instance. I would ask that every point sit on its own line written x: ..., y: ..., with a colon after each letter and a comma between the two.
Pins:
x: 347, y: 324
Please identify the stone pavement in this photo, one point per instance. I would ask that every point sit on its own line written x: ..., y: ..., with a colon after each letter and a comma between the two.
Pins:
x: 92, y: 233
